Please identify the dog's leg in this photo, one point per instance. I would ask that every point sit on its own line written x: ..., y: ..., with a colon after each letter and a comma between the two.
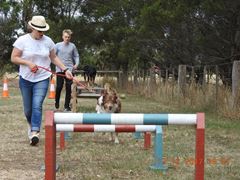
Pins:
x: 111, y: 138
x: 94, y: 77
x: 91, y: 81
x: 84, y: 75
x: 116, y: 141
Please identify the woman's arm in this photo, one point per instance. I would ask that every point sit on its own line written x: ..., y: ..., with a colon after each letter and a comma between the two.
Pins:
x: 16, y: 59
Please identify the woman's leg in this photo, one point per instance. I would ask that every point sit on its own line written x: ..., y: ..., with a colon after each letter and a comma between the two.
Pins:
x: 26, y: 90
x: 39, y: 93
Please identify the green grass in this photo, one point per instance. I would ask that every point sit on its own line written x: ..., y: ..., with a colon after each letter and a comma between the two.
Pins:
x: 92, y: 156
x: 179, y: 144
x: 226, y: 124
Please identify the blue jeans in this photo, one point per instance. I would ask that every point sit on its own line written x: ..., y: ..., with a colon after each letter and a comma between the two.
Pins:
x: 33, y: 94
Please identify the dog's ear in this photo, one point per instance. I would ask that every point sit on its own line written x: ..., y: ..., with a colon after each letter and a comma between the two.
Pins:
x: 104, y: 99
x: 104, y: 96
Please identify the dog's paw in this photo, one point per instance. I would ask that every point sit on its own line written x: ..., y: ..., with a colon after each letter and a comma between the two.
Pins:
x: 111, y: 139
x: 116, y: 141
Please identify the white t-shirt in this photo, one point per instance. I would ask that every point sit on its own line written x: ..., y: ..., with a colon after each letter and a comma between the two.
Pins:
x: 38, y: 52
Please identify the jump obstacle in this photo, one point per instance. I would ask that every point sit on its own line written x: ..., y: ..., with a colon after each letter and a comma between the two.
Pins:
x: 53, y: 119
x: 105, y: 128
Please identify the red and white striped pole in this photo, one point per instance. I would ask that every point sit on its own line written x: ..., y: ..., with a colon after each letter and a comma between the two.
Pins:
x: 50, y: 146
x: 106, y: 128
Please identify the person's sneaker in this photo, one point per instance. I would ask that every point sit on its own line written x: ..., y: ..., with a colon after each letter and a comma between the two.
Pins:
x: 67, y: 109
x: 34, y: 138
x: 57, y: 105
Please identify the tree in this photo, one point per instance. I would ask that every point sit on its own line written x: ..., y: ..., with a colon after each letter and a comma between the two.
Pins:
x: 8, y: 31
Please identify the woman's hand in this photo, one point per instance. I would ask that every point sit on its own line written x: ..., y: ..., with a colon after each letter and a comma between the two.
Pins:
x: 33, y: 67
x: 68, y: 74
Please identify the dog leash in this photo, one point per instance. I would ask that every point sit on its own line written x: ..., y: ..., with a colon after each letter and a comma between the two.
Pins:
x: 62, y: 75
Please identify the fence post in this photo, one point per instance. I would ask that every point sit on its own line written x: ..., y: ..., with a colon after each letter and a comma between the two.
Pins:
x: 204, y: 83
x: 120, y: 81
x: 236, y: 84
x: 135, y: 79
x: 173, y: 83
x: 204, y: 77
x: 166, y: 76
x: 182, y: 80
x: 152, y: 81
x: 192, y: 75
x: 217, y: 84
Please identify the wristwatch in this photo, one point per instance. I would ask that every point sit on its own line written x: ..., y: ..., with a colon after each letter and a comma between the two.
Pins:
x: 65, y: 70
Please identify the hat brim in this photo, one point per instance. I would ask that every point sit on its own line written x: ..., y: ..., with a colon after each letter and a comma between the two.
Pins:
x: 38, y: 28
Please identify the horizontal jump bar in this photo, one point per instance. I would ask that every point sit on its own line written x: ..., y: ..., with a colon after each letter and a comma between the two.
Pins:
x: 104, y: 128
x: 125, y: 118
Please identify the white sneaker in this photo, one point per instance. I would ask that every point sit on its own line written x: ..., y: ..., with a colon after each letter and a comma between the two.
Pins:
x: 67, y: 109
x: 34, y: 138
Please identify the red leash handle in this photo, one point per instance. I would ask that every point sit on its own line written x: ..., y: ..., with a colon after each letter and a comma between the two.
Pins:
x: 62, y: 75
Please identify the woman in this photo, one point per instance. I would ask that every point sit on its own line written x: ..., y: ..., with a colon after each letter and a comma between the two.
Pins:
x: 31, y: 51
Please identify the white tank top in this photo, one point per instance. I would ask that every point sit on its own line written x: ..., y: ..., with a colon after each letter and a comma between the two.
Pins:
x: 38, y: 52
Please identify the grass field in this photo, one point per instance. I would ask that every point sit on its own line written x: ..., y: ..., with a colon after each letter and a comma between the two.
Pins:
x: 92, y: 156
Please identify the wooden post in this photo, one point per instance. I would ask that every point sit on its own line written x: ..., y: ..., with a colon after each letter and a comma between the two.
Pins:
x: 166, y: 76
x: 152, y: 82
x: 204, y: 83
x: 147, y: 140
x: 143, y: 75
x: 236, y: 84
x: 192, y: 75
x: 182, y: 80
x: 172, y: 83
x: 120, y: 84
x: 135, y: 79
x: 217, y: 84
x: 160, y: 76
x: 204, y: 77
x: 148, y: 76
x: 62, y: 141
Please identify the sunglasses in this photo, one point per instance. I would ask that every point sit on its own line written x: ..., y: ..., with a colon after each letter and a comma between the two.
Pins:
x: 40, y: 31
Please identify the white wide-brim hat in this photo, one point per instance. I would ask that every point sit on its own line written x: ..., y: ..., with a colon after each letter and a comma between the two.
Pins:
x: 38, y: 23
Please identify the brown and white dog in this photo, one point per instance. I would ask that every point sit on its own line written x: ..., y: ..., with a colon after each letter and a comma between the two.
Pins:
x: 109, y: 102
